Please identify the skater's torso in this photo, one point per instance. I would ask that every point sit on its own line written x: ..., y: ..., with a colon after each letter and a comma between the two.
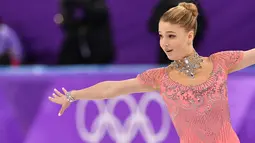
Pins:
x: 199, y: 107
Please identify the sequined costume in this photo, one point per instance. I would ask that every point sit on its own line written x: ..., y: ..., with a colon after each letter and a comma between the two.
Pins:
x: 200, y: 113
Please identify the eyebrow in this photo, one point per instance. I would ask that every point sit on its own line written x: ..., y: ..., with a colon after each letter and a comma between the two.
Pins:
x: 168, y: 32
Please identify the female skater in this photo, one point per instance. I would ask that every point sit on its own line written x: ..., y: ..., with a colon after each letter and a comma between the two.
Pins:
x: 193, y: 87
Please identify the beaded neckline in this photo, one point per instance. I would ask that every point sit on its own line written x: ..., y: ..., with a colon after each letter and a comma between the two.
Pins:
x: 204, y: 84
x: 188, y: 65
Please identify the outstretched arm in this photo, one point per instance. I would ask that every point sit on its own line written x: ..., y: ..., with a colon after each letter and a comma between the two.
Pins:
x: 110, y: 89
x: 102, y: 90
x: 247, y: 60
x: 145, y: 82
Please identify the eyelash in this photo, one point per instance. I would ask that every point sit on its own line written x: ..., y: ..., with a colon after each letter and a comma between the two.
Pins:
x: 169, y: 36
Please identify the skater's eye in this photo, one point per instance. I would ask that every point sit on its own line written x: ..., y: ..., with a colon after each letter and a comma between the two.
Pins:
x: 171, y: 36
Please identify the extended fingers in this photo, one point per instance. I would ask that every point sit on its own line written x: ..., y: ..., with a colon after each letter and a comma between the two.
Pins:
x: 59, y: 98
x: 64, y: 90
x: 58, y: 93
x: 55, y: 96
x: 52, y: 99
x: 61, y: 111
x: 63, y: 108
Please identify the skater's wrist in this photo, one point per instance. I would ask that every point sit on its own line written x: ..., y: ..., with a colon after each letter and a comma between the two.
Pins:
x: 71, y: 96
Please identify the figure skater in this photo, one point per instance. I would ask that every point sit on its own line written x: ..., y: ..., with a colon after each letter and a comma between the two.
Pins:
x: 193, y: 87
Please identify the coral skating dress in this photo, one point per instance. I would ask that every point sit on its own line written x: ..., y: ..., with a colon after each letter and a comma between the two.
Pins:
x: 200, y: 113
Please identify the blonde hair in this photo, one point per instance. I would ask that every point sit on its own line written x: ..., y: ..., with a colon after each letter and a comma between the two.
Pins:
x: 185, y: 14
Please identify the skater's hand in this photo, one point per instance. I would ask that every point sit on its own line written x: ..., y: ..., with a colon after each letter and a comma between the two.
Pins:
x: 60, y: 98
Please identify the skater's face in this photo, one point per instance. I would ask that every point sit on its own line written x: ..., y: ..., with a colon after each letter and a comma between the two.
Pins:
x: 175, y: 41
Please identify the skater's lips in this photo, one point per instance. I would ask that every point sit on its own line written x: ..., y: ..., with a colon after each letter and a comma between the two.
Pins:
x: 168, y: 51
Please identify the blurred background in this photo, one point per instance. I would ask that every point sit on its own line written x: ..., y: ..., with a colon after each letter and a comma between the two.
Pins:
x: 74, y: 44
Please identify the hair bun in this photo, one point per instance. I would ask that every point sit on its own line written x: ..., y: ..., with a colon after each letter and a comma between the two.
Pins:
x: 191, y: 7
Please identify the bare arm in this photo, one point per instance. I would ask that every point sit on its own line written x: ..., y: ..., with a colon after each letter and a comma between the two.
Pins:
x: 110, y: 89
x: 248, y: 60
x: 146, y: 82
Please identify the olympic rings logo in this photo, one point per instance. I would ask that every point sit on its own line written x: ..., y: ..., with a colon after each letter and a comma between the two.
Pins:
x: 137, y: 121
